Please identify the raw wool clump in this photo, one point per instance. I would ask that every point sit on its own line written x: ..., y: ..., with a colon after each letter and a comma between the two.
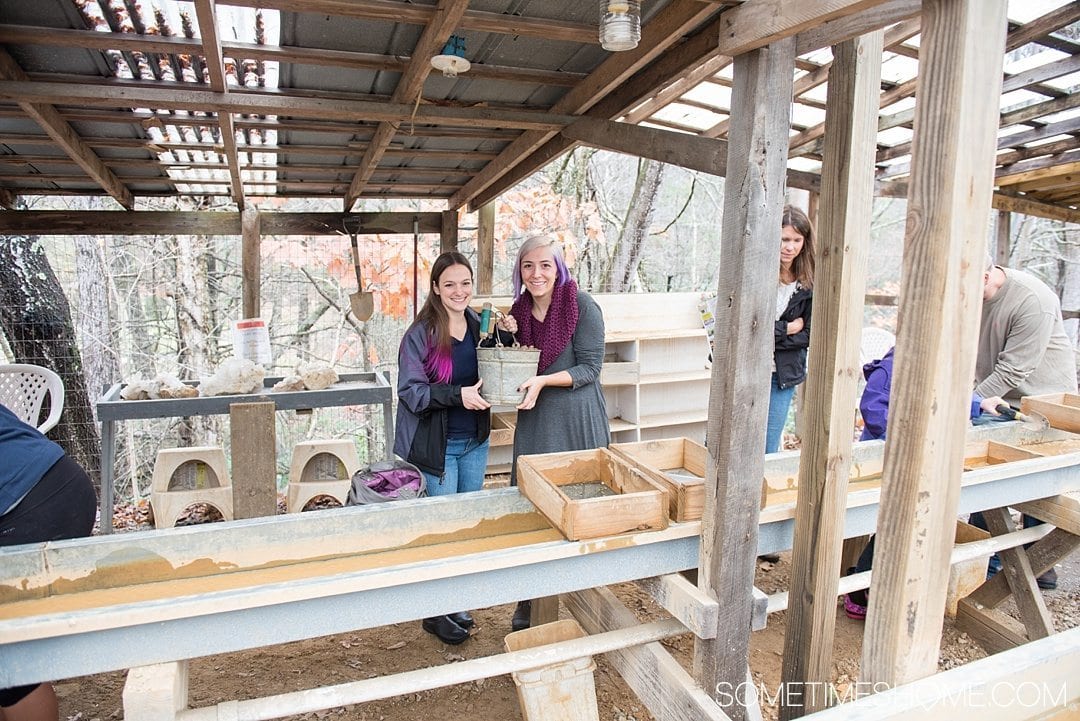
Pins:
x: 234, y: 376
x: 169, y: 386
x: 317, y: 376
x: 139, y: 389
x: 289, y: 383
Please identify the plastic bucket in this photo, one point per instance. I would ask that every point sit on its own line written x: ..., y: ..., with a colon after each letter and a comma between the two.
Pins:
x: 563, y: 691
x: 503, y: 369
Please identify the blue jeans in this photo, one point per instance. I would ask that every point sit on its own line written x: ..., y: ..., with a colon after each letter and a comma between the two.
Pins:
x: 779, y: 402
x: 466, y: 460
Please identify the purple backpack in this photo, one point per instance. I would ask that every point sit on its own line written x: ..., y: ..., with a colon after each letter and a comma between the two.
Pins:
x: 386, y: 481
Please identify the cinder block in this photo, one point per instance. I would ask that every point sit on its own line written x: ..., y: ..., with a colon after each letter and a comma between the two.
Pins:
x: 186, y: 476
x: 320, y: 468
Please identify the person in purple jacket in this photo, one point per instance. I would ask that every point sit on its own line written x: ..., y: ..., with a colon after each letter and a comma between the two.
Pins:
x: 44, y: 496
x: 874, y: 407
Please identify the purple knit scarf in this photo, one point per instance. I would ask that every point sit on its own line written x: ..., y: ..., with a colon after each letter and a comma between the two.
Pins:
x: 553, y: 334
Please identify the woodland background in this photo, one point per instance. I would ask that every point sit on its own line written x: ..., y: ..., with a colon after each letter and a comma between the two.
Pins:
x: 101, y: 309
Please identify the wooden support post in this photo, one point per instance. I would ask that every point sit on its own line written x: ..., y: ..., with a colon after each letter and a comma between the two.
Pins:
x: 254, y: 459
x: 948, y: 203
x: 1003, y: 227
x: 1017, y: 569
x: 156, y: 693
x: 544, y: 610
x: 448, y: 232
x: 485, y: 249
x: 649, y: 670
x: 847, y: 198
x: 1042, y: 556
x: 739, y: 394
x: 250, y: 262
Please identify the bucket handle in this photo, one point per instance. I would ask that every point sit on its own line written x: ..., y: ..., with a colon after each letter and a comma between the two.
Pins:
x: 499, y: 315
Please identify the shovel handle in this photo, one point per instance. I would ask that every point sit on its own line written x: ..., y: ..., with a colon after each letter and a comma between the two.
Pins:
x: 356, y: 260
x: 1006, y: 410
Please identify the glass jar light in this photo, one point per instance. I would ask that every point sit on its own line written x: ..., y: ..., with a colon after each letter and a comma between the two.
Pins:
x: 620, y: 24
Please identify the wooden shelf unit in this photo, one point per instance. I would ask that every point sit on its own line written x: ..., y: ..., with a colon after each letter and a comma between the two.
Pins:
x: 656, y: 372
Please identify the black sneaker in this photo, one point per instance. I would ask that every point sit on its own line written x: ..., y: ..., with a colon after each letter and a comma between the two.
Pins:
x: 522, y: 616
x: 446, y: 629
x: 1047, y: 581
x: 463, y: 619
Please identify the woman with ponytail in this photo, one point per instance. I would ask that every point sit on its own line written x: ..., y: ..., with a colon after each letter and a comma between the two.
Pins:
x: 442, y: 422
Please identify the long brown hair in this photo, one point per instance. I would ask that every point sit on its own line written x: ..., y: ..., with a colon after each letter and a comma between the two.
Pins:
x: 433, y: 316
x: 803, y: 265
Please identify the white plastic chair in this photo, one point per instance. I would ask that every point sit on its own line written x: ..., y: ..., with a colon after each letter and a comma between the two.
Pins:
x: 23, y: 388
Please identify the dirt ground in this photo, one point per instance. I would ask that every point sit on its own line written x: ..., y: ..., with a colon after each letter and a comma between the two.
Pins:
x: 401, y: 647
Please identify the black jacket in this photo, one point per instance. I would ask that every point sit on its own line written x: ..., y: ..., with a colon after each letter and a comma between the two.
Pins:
x: 420, y: 430
x: 790, y: 353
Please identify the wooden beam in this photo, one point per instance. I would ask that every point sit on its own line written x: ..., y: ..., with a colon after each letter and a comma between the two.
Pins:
x: 270, y: 103
x: 756, y: 23
x: 485, y: 249
x: 672, y: 22
x: 251, y: 262
x: 407, y: 12
x: 1065, y: 166
x: 446, y: 17
x: 254, y: 459
x: 316, y: 57
x: 656, y: 678
x: 686, y: 151
x: 214, y: 223
x: 753, y: 203
x: 845, y: 213
x: 206, y: 12
x: 948, y: 202
x: 8, y: 199
x: 1035, y: 208
x: 61, y: 132
x: 1003, y: 231
x: 1042, y: 556
x: 1060, y: 511
x: 1042, y: 26
x: 1017, y: 569
x: 448, y: 232
x: 693, y: 608
x: 851, y: 26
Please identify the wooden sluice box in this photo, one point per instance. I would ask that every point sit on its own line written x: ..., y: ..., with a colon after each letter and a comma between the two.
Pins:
x: 82, y: 606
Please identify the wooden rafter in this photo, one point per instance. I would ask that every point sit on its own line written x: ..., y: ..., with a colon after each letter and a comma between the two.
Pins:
x: 669, y: 26
x: 270, y: 103
x: 446, y: 17
x: 61, y: 132
x: 316, y: 57
x: 206, y: 11
x: 415, y: 14
x: 769, y: 20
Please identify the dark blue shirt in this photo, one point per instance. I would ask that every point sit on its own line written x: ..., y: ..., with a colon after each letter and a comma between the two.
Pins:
x: 25, y: 456
x: 460, y: 421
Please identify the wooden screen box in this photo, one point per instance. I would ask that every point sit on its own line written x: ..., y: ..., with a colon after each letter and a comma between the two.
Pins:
x: 678, y: 464
x: 1061, y: 409
x: 991, y: 453
x: 589, y: 494
x: 502, y: 429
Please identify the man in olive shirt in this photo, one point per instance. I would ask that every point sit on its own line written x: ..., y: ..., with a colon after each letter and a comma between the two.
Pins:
x: 1023, y: 351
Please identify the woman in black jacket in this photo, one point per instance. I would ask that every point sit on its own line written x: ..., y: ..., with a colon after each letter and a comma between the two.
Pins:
x: 791, y: 333
x: 443, y: 423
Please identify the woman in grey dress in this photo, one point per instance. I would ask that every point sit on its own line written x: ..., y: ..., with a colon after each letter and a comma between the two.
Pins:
x: 564, y: 407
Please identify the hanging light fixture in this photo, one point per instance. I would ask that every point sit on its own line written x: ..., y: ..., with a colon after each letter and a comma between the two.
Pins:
x: 451, y: 60
x: 620, y: 24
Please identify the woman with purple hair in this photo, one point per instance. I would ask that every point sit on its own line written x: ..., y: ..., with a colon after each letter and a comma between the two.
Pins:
x: 442, y: 423
x: 563, y: 408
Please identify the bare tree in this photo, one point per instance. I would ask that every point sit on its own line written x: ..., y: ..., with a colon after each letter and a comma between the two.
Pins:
x: 626, y: 255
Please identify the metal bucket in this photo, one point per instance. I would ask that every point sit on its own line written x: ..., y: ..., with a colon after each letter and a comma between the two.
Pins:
x: 503, y: 369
